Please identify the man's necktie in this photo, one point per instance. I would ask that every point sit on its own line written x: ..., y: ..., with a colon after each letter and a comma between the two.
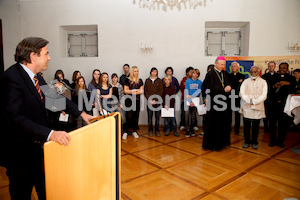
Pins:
x: 37, y: 86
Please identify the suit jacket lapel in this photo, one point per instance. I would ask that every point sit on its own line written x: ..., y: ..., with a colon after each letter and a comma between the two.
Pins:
x: 28, y: 82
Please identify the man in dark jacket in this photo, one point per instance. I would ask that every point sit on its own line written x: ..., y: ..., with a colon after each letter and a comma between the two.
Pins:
x: 270, y: 77
x: 284, y: 85
x: 236, y: 78
x: 24, y: 119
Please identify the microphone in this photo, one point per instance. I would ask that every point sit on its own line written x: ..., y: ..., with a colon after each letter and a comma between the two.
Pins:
x: 66, y: 85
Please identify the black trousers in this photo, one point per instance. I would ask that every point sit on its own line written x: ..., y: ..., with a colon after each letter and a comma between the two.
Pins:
x: 24, y: 175
x: 237, y: 121
x: 132, y: 118
x: 283, y: 120
x: 182, y: 116
x: 269, y: 105
x: 150, y: 118
x: 237, y: 116
x: 190, y: 118
x: 248, y: 123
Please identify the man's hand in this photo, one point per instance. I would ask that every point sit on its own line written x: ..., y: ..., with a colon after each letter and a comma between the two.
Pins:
x: 284, y: 83
x: 166, y: 107
x: 227, y: 88
x: 192, y: 104
x: 86, y: 117
x: 152, y: 102
x: 61, y: 137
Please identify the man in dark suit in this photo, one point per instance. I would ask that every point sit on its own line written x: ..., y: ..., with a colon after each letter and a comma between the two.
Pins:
x: 270, y: 77
x: 236, y: 78
x: 284, y: 85
x: 217, y: 127
x: 24, y: 119
x: 126, y: 74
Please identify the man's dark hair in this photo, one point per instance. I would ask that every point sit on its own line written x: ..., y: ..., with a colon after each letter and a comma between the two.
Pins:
x: 210, y: 67
x: 188, y: 69
x: 27, y: 46
x: 171, y: 68
x: 296, y: 70
x: 152, y: 69
x: 284, y: 63
x: 126, y: 65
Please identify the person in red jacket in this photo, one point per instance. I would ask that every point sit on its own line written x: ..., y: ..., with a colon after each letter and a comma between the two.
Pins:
x: 189, y: 74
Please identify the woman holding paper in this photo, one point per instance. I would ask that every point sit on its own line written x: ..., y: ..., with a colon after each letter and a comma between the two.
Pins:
x: 192, y: 92
x: 169, y: 103
x: 61, y: 120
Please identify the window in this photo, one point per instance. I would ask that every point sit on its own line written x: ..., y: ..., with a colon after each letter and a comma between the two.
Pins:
x: 79, y: 41
x: 82, y: 44
x: 227, y: 43
x: 227, y: 38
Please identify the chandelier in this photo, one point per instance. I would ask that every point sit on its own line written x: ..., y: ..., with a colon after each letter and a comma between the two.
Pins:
x: 164, y: 4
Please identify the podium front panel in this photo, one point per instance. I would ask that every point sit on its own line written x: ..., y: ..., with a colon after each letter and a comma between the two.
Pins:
x: 89, y: 168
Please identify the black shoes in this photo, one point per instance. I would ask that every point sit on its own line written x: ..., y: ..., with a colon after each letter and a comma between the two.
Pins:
x: 150, y: 133
x: 280, y: 145
x: 271, y: 145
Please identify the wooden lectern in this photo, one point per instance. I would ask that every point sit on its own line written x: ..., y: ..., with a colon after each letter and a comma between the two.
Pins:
x: 90, y: 167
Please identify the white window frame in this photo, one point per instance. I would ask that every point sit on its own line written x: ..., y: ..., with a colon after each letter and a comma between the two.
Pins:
x: 83, y: 43
x: 223, y: 41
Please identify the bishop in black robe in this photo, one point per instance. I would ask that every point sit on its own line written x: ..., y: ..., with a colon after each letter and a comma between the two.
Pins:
x: 217, y: 127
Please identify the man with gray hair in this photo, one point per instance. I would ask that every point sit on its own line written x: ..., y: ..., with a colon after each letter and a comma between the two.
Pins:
x: 215, y: 94
x: 253, y: 93
x: 236, y: 79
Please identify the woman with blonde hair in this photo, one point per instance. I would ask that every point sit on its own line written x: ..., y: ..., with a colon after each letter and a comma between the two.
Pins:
x: 133, y: 86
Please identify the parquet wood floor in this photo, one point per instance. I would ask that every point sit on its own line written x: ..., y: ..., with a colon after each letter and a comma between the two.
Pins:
x: 171, y: 168
x: 178, y: 168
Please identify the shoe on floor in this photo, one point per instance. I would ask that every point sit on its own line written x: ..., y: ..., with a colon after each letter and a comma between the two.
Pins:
x: 281, y: 145
x: 167, y: 133
x: 157, y: 134
x: 124, y: 136
x: 150, y: 133
x: 176, y: 133
x: 201, y: 134
x: 135, y: 135
x: 245, y: 145
x: 182, y: 128
x: 271, y: 145
x: 254, y: 146
x: 196, y: 128
x: 187, y: 134
x: 193, y: 134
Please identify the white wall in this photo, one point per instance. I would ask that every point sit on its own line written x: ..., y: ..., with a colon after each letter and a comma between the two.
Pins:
x: 177, y: 36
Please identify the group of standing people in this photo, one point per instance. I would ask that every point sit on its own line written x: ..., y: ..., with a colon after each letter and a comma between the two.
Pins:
x: 255, y: 98
x: 25, y: 119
